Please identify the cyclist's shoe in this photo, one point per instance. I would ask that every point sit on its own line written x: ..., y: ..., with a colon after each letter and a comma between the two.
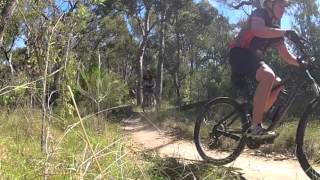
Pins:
x: 259, y: 133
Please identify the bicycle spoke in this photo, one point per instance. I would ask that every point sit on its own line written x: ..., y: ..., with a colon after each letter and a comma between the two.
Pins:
x: 233, y: 120
x: 219, y: 131
x: 228, y: 117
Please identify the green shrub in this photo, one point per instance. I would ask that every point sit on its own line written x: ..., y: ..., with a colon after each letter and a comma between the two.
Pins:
x: 21, y: 156
x: 99, y: 89
x: 69, y: 155
x: 172, y: 168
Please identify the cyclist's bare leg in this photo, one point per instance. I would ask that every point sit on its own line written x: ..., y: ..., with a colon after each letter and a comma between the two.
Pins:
x: 274, y: 94
x: 266, y: 77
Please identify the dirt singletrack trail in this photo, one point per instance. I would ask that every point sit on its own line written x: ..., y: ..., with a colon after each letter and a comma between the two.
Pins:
x: 251, y: 167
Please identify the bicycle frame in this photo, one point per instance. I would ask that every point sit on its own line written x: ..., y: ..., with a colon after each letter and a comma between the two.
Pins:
x: 282, y: 109
x: 241, y: 112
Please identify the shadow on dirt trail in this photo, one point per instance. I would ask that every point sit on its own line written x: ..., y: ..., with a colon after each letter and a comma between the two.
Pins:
x: 174, y: 164
x: 180, y: 155
x: 175, y: 168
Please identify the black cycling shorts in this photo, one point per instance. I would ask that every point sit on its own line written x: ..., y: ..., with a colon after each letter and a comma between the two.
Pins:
x: 244, y: 63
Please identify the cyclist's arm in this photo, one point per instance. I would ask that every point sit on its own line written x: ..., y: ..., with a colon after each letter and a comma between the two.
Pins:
x: 285, y: 54
x: 259, y: 29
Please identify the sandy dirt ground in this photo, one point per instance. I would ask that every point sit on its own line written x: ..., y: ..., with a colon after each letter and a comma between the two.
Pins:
x: 251, y: 167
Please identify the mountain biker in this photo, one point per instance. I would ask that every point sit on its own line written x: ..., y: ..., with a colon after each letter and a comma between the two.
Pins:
x: 261, y: 31
x: 148, y: 84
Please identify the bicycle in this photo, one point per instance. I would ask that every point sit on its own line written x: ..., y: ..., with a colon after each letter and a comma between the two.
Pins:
x: 221, y: 128
x: 149, y: 101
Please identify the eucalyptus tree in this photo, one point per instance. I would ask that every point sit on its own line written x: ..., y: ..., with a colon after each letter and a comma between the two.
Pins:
x: 7, y: 8
x: 163, y: 9
x: 47, y: 29
x: 306, y: 21
x: 140, y: 15
x: 197, y: 49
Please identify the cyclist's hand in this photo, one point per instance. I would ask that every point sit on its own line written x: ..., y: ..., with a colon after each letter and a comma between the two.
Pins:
x: 292, y: 35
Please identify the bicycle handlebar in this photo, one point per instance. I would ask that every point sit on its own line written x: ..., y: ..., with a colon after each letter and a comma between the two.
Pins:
x: 306, y: 60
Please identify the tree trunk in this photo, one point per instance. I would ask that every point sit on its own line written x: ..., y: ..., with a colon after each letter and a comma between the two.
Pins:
x: 10, y: 64
x: 177, y: 66
x: 145, y: 29
x: 177, y: 84
x: 5, y: 17
x: 140, y: 72
x: 98, y: 87
x: 44, y: 127
x: 159, y: 79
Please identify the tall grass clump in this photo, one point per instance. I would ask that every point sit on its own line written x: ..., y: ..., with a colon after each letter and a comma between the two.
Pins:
x: 102, y: 152
x: 172, y: 168
x: 179, y: 123
x: 67, y: 154
x: 285, y: 143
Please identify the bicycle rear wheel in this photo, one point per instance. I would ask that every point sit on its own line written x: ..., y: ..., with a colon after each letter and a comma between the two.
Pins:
x: 149, y: 103
x: 219, y: 131
x: 308, y: 140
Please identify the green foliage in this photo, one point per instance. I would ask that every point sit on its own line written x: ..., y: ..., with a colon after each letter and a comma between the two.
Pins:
x: 286, y: 144
x: 171, y: 168
x: 99, y: 1
x: 74, y: 39
x: 70, y: 156
x: 203, y: 35
x: 16, y: 94
x: 21, y: 156
x: 102, y: 89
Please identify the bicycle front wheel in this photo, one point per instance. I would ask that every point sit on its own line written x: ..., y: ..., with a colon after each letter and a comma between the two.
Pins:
x: 149, y: 103
x: 308, y: 140
x: 219, y: 131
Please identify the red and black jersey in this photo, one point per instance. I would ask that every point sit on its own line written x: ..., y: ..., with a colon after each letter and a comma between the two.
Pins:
x: 246, y: 38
